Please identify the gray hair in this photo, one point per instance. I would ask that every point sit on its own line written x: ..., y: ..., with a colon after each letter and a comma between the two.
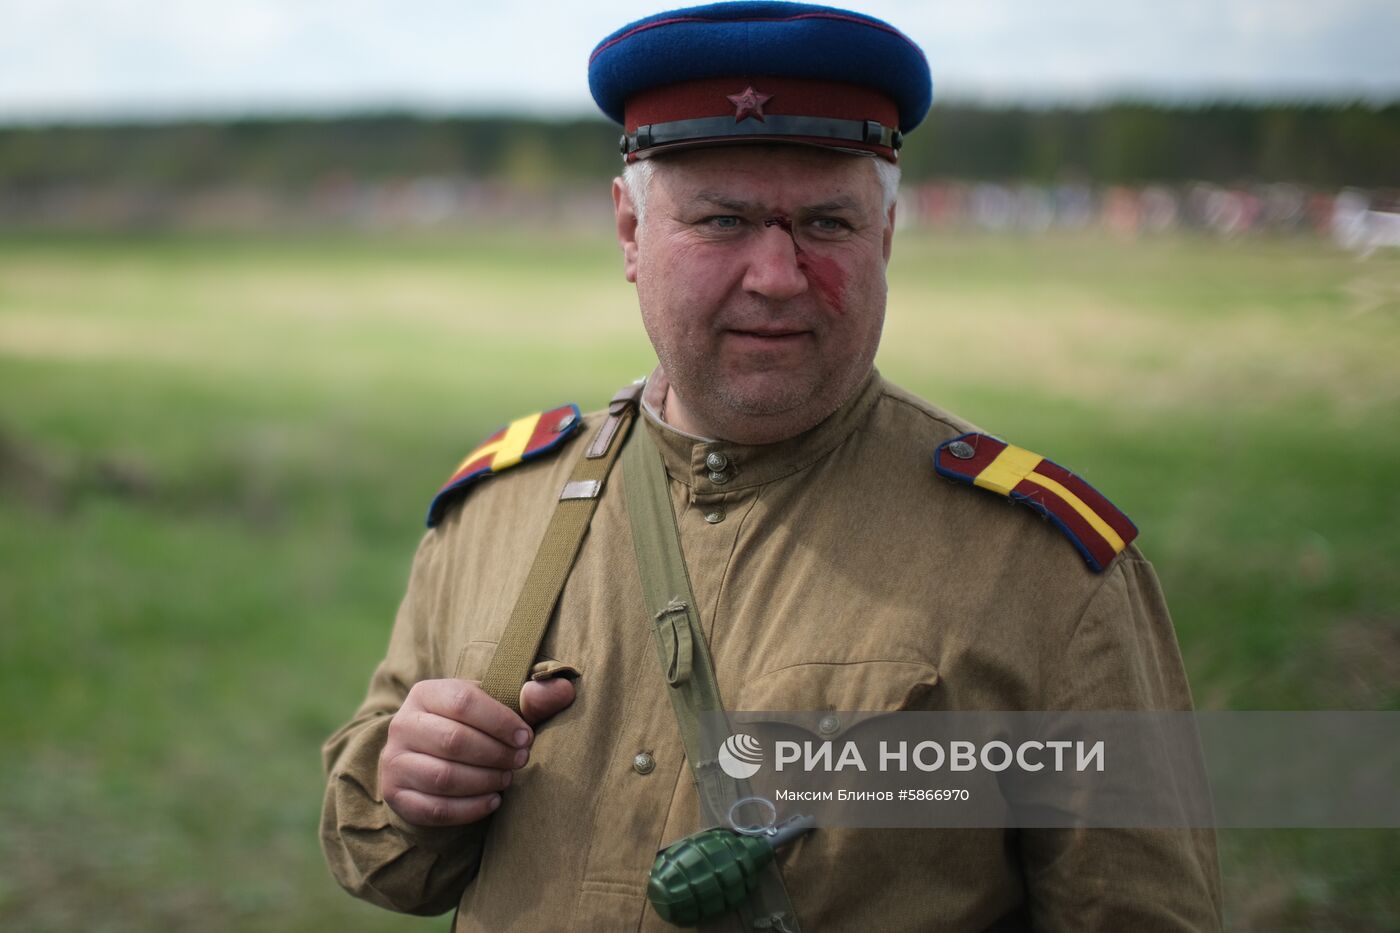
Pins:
x: 636, y: 176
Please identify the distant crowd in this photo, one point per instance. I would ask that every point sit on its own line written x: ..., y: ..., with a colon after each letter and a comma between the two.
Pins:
x: 1127, y: 211
x: 1355, y: 218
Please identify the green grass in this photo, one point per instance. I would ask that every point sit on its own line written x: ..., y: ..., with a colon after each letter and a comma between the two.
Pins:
x: 215, y: 454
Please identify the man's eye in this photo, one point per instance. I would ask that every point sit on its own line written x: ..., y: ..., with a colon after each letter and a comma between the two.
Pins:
x: 722, y: 222
x: 829, y: 225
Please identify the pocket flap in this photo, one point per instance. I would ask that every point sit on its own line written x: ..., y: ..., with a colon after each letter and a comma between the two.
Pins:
x: 868, y: 686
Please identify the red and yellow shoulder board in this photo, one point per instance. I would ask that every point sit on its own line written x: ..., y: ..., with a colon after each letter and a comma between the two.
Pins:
x: 523, y: 439
x: 1094, y: 524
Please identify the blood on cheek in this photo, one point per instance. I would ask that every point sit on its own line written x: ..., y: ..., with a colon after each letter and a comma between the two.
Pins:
x: 829, y: 278
x: 825, y: 274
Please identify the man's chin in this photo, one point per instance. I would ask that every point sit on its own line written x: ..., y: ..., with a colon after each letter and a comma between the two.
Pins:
x: 753, y: 406
x: 755, y: 414
x: 767, y: 395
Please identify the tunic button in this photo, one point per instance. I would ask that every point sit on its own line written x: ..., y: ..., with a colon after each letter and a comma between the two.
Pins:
x: 718, y: 478
x: 962, y: 450
x: 716, y: 461
x: 564, y: 424
x: 715, y: 517
x: 828, y: 725
x: 643, y: 763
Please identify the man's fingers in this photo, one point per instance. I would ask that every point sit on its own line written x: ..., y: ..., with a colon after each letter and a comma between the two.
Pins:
x: 446, y: 738
x: 439, y: 778
x: 422, y: 809
x: 541, y: 699
x: 465, y: 702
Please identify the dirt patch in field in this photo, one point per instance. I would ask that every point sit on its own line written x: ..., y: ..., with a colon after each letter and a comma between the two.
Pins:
x: 1364, y: 655
x: 31, y: 475
x: 244, y: 487
x: 53, y: 482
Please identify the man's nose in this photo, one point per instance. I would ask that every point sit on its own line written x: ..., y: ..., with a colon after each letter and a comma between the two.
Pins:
x: 773, y: 269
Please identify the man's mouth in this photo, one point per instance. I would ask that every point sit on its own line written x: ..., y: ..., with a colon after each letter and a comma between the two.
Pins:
x: 768, y: 333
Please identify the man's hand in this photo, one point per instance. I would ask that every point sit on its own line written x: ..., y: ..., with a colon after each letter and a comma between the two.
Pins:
x: 452, y: 749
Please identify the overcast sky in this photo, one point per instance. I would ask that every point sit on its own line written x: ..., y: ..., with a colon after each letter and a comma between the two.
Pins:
x: 118, y: 58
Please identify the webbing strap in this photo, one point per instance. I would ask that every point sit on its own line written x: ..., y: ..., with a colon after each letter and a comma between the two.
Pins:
x: 685, y: 659
x: 520, y: 642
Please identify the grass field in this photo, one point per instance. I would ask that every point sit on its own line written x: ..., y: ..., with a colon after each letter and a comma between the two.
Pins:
x: 215, y: 455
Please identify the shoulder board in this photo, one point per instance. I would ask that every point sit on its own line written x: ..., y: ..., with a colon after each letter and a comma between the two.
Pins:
x: 523, y: 439
x: 1094, y: 524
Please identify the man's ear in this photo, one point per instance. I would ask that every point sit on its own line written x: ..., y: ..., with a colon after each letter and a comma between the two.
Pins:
x: 889, y: 232
x: 626, y: 218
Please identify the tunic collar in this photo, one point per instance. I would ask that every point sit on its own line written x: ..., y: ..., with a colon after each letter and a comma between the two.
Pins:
x: 715, y: 467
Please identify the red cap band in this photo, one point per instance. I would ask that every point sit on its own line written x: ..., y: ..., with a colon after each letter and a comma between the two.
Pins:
x: 750, y: 101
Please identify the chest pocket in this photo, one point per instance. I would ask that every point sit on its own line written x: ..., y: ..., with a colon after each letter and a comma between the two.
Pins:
x: 834, y: 697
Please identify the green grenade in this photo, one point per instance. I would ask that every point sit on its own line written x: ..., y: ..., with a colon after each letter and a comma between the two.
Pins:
x: 707, y: 874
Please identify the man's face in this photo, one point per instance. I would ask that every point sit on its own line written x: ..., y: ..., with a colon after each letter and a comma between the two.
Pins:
x: 760, y: 272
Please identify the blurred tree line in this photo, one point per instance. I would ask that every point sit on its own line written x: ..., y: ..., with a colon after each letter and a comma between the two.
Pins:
x: 1318, y: 145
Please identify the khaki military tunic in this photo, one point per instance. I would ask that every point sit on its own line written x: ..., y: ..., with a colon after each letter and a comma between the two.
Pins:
x: 835, y: 571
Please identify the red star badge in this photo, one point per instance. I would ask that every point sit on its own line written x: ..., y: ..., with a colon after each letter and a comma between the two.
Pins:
x: 748, y: 103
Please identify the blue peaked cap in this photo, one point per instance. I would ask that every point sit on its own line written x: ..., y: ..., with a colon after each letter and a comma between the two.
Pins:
x: 761, y: 37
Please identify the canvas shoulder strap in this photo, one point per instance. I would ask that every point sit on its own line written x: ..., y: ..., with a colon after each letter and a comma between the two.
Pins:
x: 685, y: 658
x: 520, y: 642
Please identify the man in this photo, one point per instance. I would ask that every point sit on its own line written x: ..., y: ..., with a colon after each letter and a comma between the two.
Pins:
x: 833, y: 568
